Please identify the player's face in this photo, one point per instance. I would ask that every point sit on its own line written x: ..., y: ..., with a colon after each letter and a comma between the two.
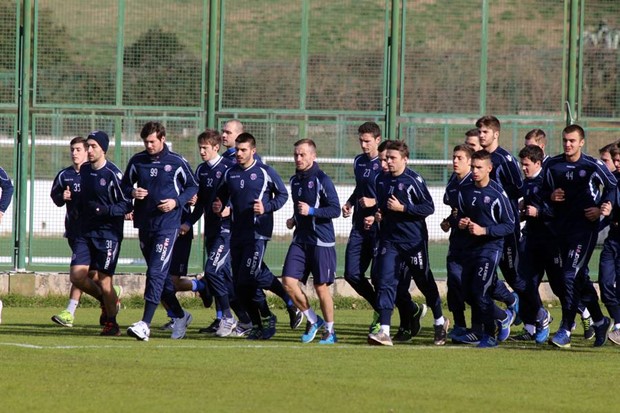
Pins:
x: 208, y: 151
x: 383, y: 159
x: 460, y: 163
x: 609, y: 163
x: 572, y: 144
x: 480, y: 169
x: 473, y: 142
x: 488, y: 136
x: 617, y: 161
x: 369, y: 143
x: 95, y: 152
x: 529, y: 168
x: 153, y: 144
x: 244, y: 154
x: 78, y: 154
x: 304, y: 157
x: 230, y: 131
x: 395, y: 161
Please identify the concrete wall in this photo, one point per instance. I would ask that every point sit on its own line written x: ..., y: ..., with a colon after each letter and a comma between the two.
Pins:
x: 42, y: 284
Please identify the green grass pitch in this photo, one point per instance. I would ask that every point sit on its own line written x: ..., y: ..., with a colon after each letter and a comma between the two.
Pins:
x: 48, y: 368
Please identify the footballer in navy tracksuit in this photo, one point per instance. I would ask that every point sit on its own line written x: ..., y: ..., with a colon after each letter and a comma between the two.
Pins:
x: 537, y: 252
x: 484, y: 212
x: 609, y: 264
x: 575, y: 185
x: 254, y: 191
x: 404, y: 203
x: 313, y: 249
x: 165, y: 183
x: 314, y: 242
x: 68, y: 178
x: 218, y: 272
x: 361, y: 244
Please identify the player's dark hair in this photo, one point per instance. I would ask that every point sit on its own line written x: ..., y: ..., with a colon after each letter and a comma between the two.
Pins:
x: 482, y: 155
x: 246, y: 137
x: 399, y: 146
x: 463, y: 147
x: 306, y: 141
x: 79, y: 139
x: 382, y: 146
x: 607, y: 148
x: 489, y: 121
x: 532, y: 152
x: 209, y: 137
x: 574, y: 128
x: 153, y: 127
x: 473, y: 132
x: 370, y: 127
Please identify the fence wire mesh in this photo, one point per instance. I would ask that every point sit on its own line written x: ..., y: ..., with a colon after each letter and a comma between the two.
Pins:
x: 289, y: 70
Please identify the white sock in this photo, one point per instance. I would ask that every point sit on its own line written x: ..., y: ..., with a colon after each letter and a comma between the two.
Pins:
x: 599, y: 323
x: 329, y: 326
x: 530, y: 329
x: 617, y: 326
x: 72, y: 306
x: 310, y: 315
x: 585, y: 314
x: 440, y: 321
x: 385, y: 329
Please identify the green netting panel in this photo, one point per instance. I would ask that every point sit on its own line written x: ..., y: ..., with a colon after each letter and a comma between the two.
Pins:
x: 525, y: 55
x: 164, y: 54
x: 75, y: 53
x: 8, y: 47
x: 600, y: 94
x: 441, y: 57
x: 260, y: 60
x: 346, y: 56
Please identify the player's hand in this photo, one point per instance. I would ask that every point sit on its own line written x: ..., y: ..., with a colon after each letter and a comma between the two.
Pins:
x: 592, y: 213
x: 225, y: 212
x: 455, y: 212
x: 303, y: 209
x: 476, y: 229
x: 464, y: 223
x: 394, y: 204
x: 66, y: 194
x: 129, y: 216
x: 606, y: 209
x: 290, y: 223
x: 216, y: 206
x: 530, y: 211
x: 139, y: 193
x: 378, y: 216
x: 558, y: 195
x: 192, y: 201
x: 366, y: 202
x: 368, y: 222
x: 167, y: 205
x: 259, y: 208
x: 346, y: 210
x: 98, y: 209
x: 184, y: 229
x: 445, y: 225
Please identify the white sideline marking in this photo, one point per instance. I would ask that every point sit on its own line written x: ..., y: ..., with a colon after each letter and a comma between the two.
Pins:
x: 216, y: 346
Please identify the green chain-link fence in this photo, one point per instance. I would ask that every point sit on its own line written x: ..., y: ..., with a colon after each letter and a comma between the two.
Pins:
x: 423, y: 69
